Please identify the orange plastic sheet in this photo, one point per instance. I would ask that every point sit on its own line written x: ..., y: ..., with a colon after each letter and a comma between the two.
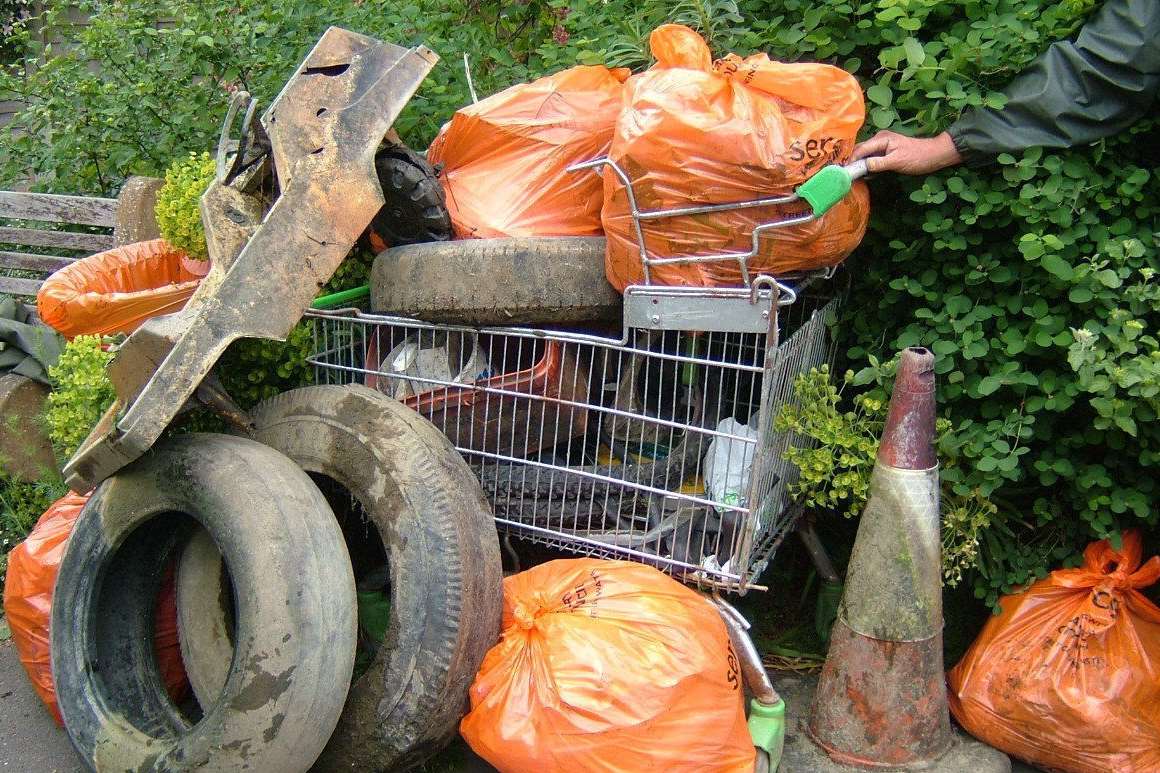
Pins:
x: 505, y: 158
x: 695, y: 132
x: 115, y: 291
x: 608, y: 666
x: 1067, y: 677
x: 32, y: 568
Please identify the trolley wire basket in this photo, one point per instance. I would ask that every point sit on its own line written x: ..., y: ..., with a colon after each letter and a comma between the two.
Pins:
x: 655, y: 445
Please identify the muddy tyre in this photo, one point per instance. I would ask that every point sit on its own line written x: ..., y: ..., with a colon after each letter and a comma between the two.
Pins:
x: 545, y: 280
x: 444, y: 564
x: 294, y: 610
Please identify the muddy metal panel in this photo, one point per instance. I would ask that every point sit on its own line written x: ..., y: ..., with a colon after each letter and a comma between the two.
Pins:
x: 324, y: 127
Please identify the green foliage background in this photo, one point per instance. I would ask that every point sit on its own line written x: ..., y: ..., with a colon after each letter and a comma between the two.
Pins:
x: 1033, y: 280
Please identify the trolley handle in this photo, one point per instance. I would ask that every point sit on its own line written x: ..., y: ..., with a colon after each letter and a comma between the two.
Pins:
x: 820, y: 192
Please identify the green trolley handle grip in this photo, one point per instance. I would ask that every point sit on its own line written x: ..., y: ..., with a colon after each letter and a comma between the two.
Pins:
x: 767, y: 729
x: 830, y: 185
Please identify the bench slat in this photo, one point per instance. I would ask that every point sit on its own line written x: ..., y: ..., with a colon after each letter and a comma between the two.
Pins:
x: 53, y: 208
x: 14, y: 286
x: 30, y: 262
x: 32, y: 237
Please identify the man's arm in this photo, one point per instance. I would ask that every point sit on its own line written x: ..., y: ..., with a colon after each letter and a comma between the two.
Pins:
x: 1076, y: 93
x: 1073, y: 94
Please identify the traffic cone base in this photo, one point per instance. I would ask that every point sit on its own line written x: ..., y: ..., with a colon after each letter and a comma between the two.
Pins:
x: 886, y: 708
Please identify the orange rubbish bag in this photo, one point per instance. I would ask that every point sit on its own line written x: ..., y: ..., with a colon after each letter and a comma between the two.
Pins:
x: 694, y: 132
x: 505, y: 159
x: 1067, y: 677
x: 32, y: 568
x: 116, y: 290
x: 608, y: 666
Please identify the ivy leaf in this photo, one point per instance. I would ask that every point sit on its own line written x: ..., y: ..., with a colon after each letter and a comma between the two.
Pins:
x: 1109, y: 278
x: 790, y: 35
x: 1080, y: 295
x: 989, y: 385
x: 1138, y: 177
x: 883, y: 117
x: 957, y: 305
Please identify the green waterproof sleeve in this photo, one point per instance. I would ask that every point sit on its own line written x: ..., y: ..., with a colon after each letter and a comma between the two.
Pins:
x: 1075, y: 93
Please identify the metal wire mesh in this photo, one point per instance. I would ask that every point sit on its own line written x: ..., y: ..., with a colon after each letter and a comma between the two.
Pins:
x: 654, y: 446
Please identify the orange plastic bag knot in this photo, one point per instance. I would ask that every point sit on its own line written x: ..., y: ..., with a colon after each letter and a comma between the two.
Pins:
x: 524, y: 616
x: 1067, y: 676
x: 1120, y: 569
x: 675, y: 45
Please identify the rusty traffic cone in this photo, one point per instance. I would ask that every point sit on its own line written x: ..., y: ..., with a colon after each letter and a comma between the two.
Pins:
x: 881, y: 700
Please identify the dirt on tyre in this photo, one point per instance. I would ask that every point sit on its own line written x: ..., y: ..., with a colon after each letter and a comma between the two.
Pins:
x: 293, y: 599
x: 438, y: 536
x: 544, y: 280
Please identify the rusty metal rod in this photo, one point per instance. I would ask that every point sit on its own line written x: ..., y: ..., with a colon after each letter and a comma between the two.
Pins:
x: 752, y: 671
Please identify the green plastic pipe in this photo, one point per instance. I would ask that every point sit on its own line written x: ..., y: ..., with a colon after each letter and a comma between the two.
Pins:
x: 341, y: 298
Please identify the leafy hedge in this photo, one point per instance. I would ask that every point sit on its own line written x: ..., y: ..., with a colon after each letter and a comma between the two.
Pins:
x: 1033, y: 280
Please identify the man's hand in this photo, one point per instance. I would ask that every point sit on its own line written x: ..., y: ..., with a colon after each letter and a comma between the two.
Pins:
x: 889, y: 151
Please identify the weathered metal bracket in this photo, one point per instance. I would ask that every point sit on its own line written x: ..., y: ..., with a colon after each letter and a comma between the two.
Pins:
x: 324, y: 129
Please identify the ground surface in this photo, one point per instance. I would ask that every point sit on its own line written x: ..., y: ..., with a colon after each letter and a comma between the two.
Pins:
x: 30, y: 741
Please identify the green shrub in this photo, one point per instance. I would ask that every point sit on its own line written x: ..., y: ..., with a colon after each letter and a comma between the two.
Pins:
x: 835, y: 472
x: 178, y: 203
x: 81, y: 393
x: 13, y: 14
x: 836, y: 467
x: 1031, y: 280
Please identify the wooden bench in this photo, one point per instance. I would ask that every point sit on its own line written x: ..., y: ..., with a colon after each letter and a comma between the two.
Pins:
x: 71, y: 227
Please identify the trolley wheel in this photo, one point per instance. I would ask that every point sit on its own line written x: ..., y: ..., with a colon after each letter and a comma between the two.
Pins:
x: 546, y: 280
x: 445, y: 575
x: 294, y: 607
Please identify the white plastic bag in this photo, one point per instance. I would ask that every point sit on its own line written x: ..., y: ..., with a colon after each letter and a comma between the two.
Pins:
x: 729, y: 460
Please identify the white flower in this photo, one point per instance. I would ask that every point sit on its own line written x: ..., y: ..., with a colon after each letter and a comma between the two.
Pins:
x: 1083, y: 337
